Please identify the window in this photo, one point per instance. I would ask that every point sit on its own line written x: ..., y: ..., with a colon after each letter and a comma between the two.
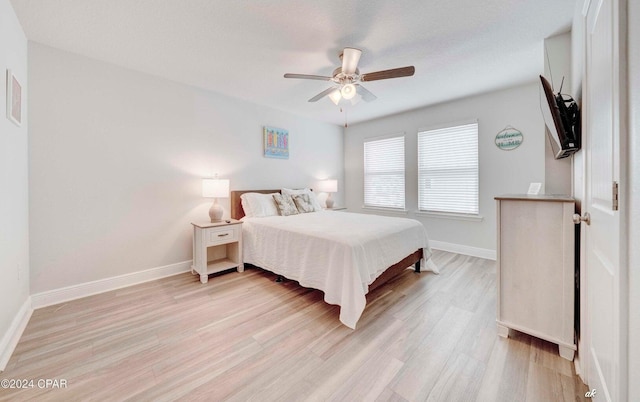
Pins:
x: 448, y: 169
x: 384, y: 173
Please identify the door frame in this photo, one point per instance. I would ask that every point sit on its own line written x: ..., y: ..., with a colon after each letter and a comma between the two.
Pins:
x: 633, y: 197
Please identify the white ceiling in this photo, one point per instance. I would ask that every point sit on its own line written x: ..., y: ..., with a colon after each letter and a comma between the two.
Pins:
x: 242, y: 48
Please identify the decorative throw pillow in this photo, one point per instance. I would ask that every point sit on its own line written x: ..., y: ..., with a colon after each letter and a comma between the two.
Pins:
x: 285, y: 204
x: 312, y: 196
x: 303, y: 202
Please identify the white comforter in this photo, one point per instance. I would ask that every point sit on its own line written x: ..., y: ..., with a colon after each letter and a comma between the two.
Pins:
x: 339, y: 253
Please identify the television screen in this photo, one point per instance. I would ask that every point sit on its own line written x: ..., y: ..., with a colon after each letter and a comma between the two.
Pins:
x: 562, y: 121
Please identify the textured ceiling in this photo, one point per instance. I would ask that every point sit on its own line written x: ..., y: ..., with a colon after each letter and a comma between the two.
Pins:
x: 242, y: 48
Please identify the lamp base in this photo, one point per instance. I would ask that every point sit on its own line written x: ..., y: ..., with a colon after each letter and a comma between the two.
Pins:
x: 216, y: 212
x: 329, y: 202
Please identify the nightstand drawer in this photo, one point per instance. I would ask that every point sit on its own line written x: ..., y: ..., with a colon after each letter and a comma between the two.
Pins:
x: 221, y: 235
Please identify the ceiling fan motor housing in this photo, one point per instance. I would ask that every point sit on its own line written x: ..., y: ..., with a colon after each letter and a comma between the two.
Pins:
x: 340, y: 78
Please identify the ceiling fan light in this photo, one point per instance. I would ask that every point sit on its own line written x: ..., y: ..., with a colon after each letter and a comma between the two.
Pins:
x: 348, y: 91
x: 335, y: 96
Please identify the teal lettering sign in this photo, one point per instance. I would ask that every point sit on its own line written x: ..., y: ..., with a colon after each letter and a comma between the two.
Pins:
x: 509, y: 139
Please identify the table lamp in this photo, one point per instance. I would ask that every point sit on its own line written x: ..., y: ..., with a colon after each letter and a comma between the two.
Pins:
x: 215, y: 188
x: 329, y: 187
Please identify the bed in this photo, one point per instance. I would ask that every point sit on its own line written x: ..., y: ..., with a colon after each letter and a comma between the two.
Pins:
x: 345, y: 255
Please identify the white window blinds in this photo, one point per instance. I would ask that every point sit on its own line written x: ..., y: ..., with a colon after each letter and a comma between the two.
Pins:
x: 384, y: 173
x: 448, y: 169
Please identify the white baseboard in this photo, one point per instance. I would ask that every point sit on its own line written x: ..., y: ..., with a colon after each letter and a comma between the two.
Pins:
x: 12, y: 336
x: 462, y: 249
x: 578, y: 367
x: 74, y: 292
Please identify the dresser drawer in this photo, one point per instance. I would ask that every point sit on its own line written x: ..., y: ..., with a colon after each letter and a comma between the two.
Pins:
x: 226, y: 234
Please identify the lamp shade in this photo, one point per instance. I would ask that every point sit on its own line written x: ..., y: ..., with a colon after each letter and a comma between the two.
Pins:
x: 328, y: 186
x: 335, y: 96
x: 348, y: 91
x: 215, y: 188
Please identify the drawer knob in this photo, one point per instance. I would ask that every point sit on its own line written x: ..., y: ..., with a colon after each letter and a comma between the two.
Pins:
x: 223, y: 235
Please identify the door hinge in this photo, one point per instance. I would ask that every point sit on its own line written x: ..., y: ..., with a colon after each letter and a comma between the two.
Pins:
x: 614, y: 196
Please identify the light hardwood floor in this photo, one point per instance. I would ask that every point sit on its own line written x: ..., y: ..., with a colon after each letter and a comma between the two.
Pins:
x: 244, y: 337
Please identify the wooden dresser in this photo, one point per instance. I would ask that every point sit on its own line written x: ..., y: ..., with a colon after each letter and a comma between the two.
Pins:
x: 535, y: 268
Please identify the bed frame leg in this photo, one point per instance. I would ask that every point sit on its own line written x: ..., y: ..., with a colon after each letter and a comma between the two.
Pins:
x: 279, y: 279
x: 417, y: 269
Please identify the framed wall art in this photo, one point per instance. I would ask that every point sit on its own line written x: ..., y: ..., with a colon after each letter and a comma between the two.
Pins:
x: 14, y: 99
x: 276, y: 143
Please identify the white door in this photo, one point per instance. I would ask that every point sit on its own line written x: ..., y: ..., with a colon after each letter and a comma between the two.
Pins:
x: 604, y: 311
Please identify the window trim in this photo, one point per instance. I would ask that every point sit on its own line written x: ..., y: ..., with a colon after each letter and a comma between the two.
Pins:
x: 450, y: 215
x: 398, y: 211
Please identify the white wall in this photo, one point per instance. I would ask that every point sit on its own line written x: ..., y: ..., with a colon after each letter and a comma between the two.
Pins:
x: 557, y: 65
x: 14, y: 201
x: 116, y: 159
x: 501, y: 172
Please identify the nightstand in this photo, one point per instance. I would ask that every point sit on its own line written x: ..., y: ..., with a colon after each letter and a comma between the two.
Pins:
x: 336, y: 209
x: 217, y: 246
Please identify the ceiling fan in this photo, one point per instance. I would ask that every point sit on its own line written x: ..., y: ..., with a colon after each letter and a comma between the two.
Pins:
x: 347, y: 78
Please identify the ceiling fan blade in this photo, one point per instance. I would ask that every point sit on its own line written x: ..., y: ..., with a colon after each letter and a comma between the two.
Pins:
x: 350, y: 59
x: 308, y: 77
x: 367, y: 96
x: 322, y: 94
x: 385, y: 74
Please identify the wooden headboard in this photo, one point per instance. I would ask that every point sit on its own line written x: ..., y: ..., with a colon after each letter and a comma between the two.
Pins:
x: 236, y: 206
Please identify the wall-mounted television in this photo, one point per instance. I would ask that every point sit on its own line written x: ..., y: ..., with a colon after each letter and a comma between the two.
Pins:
x: 562, y: 118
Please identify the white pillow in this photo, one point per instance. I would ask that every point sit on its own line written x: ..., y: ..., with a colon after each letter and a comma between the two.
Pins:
x: 257, y: 205
x: 312, y: 196
x: 245, y: 206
